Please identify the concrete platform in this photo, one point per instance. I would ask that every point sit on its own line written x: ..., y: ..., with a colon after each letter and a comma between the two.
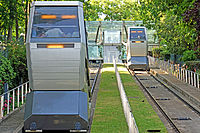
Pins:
x: 189, y: 93
x: 13, y: 123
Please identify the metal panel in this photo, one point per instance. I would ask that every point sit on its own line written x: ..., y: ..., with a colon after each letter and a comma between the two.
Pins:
x: 56, y: 84
x: 82, y: 76
x: 83, y: 106
x: 58, y: 3
x: 54, y: 102
x: 55, y: 69
x: 55, y: 110
x: 53, y: 40
x: 32, y: 9
x: 55, y: 54
x: 53, y: 63
x: 55, y: 75
x: 139, y: 60
x: 139, y: 49
x: 28, y: 105
x: 81, y: 25
x: 55, y: 122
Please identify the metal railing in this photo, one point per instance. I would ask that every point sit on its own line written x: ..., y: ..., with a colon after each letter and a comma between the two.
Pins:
x: 183, y: 74
x: 13, y: 99
x: 95, y: 80
x: 125, y: 103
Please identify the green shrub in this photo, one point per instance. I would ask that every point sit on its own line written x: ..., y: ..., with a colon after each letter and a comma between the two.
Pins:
x: 1, y: 86
x: 161, y: 52
x: 189, y: 55
x: 7, y: 73
x: 156, y: 52
x: 17, y: 57
x: 164, y: 53
x: 193, y: 65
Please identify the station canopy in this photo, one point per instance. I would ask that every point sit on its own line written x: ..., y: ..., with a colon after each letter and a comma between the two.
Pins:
x: 102, y: 33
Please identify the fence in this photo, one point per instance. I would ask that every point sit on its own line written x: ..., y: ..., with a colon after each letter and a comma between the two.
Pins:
x: 187, y: 76
x: 126, y: 107
x: 13, y: 99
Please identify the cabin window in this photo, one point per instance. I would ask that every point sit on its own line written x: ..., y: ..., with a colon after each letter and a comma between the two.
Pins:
x: 137, y: 34
x: 55, y: 22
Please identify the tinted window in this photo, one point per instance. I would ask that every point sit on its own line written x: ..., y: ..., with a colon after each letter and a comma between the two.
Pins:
x: 137, y: 34
x: 55, y: 22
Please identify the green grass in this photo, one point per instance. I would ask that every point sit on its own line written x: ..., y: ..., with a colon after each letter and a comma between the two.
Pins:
x: 144, y: 114
x: 109, y: 116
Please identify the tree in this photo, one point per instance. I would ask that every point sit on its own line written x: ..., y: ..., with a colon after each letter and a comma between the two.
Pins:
x: 192, y: 18
x: 167, y: 19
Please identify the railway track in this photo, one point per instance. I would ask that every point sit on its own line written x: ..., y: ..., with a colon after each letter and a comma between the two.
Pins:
x: 181, y: 116
x: 94, y: 73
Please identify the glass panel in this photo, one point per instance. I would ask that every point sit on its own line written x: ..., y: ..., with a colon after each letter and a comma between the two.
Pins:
x: 92, y: 28
x: 112, y: 25
x: 50, y: 22
x: 112, y: 37
x: 151, y: 36
x: 95, y: 51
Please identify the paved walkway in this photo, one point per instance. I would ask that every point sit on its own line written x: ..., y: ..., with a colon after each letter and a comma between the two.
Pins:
x: 13, y: 123
x: 190, y: 93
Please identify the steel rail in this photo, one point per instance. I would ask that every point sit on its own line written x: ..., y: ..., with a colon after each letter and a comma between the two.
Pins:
x: 95, y: 80
x: 157, y: 104
x: 184, y: 101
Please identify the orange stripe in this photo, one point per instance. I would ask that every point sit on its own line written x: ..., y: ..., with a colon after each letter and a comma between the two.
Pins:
x: 133, y: 31
x: 48, y: 16
x: 68, y: 17
x: 55, y: 46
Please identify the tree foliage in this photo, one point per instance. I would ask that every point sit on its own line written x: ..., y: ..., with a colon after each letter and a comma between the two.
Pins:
x: 192, y: 17
x: 167, y: 18
x: 12, y: 14
x: 116, y: 10
x: 17, y: 57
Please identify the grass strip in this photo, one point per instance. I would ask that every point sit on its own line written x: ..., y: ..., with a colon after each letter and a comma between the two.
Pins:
x: 145, y: 116
x: 109, y: 116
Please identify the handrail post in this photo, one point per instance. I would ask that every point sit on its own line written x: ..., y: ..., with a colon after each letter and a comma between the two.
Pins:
x: 1, y: 106
x: 195, y: 80
x: 26, y: 88
x: 22, y: 91
x: 13, y: 98
x: 18, y: 97
x: 191, y: 78
x: 198, y: 83
x: 186, y: 75
x: 8, y: 103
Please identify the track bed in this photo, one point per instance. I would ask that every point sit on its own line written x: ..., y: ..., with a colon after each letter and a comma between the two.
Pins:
x: 184, y: 118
